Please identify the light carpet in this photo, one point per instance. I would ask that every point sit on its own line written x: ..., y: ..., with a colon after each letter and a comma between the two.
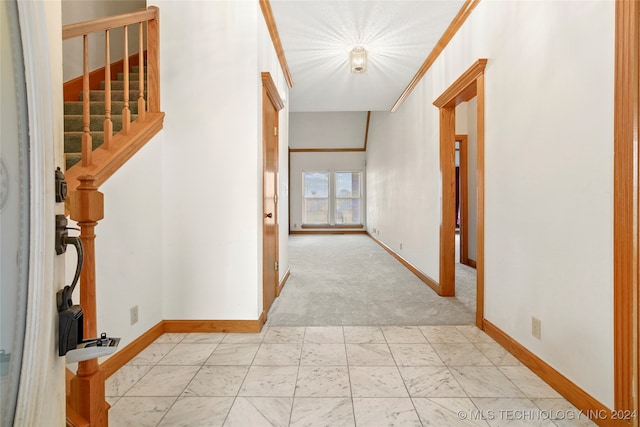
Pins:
x: 349, y: 280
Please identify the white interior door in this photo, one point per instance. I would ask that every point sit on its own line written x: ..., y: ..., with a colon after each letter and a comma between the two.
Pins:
x: 31, y: 373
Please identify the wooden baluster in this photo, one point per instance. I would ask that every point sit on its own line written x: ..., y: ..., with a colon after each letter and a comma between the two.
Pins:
x: 108, y: 124
x: 87, y: 387
x: 141, y: 102
x: 126, y: 113
x: 153, y: 62
x: 87, y: 145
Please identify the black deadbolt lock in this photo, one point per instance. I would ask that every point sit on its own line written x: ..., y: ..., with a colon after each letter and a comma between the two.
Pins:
x: 61, y: 186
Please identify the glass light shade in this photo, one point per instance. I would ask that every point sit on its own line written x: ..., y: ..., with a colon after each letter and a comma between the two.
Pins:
x: 358, y: 60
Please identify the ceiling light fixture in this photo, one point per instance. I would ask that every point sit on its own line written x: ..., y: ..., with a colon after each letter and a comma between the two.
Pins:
x: 358, y: 60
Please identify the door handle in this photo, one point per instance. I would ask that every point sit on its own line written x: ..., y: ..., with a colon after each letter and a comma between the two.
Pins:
x: 269, y: 215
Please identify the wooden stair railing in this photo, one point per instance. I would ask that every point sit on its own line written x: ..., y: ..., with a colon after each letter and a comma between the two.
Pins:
x: 117, y: 149
x: 85, y: 204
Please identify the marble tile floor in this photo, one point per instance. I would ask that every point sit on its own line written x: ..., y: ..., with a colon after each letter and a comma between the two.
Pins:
x: 333, y: 376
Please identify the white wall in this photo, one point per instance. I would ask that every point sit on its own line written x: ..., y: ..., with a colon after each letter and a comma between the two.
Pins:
x: 212, y: 161
x: 210, y: 230
x: 548, y: 176
x: 74, y: 11
x: 403, y: 182
x: 344, y: 129
x: 129, y: 246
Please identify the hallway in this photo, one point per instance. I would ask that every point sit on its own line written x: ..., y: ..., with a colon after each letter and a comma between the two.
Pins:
x: 326, y: 372
x: 349, y: 280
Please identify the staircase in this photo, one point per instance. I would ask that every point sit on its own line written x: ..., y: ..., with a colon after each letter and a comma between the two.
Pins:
x: 73, y: 126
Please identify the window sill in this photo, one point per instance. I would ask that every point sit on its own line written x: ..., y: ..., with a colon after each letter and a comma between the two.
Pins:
x: 329, y: 226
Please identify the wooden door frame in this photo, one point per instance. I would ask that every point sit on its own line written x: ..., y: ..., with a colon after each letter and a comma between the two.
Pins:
x: 468, y: 86
x: 464, y: 199
x: 626, y: 216
x: 271, y: 90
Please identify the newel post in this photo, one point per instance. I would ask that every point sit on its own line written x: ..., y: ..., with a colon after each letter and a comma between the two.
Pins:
x: 87, y: 387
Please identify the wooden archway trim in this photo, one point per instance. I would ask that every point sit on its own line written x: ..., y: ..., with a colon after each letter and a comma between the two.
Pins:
x: 469, y: 85
x: 272, y: 91
x: 626, y: 213
x: 464, y: 88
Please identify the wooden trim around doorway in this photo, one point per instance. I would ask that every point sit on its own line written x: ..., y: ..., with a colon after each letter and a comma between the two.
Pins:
x: 272, y: 91
x: 469, y: 85
x: 626, y: 214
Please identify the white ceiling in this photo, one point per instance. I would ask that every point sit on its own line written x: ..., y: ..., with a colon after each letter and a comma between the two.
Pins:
x: 317, y: 37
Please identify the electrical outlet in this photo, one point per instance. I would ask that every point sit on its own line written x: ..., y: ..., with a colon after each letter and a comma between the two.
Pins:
x: 134, y: 315
x: 374, y: 231
x: 536, y: 328
x: 400, y: 246
x: 295, y: 225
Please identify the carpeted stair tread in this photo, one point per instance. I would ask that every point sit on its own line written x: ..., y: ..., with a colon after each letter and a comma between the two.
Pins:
x: 116, y: 95
x: 119, y: 85
x: 73, y: 141
x: 97, y: 107
x: 73, y: 119
x: 74, y: 123
x: 72, y: 158
x: 132, y: 76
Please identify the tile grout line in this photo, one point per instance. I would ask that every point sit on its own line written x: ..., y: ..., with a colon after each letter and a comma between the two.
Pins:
x: 346, y: 355
x: 295, y: 384
x: 178, y: 396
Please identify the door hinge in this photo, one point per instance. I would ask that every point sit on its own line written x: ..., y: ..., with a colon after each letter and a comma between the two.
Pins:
x: 276, y: 266
x: 275, y: 131
x: 275, y: 198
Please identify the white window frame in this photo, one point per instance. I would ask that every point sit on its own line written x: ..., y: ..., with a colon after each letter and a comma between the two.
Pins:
x: 333, y: 198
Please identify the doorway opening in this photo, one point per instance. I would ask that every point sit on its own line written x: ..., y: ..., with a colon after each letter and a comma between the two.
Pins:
x: 468, y: 86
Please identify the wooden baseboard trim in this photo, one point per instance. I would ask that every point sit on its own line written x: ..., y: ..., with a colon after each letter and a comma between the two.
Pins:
x: 469, y: 262
x: 336, y: 231
x: 601, y: 415
x: 426, y: 279
x: 214, y: 325
x: 124, y: 355
x: 283, y: 282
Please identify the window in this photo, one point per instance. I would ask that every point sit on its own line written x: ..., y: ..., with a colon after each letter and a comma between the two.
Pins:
x: 347, y: 198
x: 332, y: 198
x: 316, y: 198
